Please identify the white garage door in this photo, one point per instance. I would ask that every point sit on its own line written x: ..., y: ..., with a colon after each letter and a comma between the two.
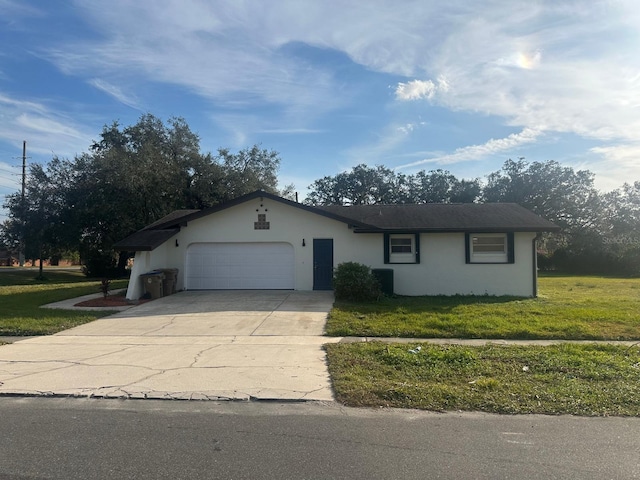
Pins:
x: 242, y: 266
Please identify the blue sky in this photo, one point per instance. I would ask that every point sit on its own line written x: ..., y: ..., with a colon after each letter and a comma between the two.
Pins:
x: 412, y: 85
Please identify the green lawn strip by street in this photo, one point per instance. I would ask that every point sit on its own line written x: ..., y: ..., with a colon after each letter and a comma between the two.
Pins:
x: 569, y: 308
x: 20, y: 312
x: 577, y: 379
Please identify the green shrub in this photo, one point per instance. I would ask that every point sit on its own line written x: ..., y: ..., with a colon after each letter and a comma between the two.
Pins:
x: 354, y: 281
x: 100, y: 264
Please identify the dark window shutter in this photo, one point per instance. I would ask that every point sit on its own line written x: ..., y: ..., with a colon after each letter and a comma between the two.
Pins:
x: 467, y: 248
x: 510, y: 248
x: 386, y: 248
x: 417, y: 241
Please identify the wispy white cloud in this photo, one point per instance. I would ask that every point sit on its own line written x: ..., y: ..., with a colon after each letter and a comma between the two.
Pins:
x: 548, y: 66
x: 11, y: 9
x: 622, y: 164
x: 479, y: 152
x: 46, y: 130
x: 116, y: 92
x: 491, y: 56
x: 415, y: 89
x: 383, y: 146
x: 409, y: 127
x: 222, y: 52
x: 420, y: 89
x: 552, y: 66
x: 242, y: 127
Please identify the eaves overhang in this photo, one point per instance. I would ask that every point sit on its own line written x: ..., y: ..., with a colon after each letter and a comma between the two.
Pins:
x: 467, y: 229
x: 145, y: 240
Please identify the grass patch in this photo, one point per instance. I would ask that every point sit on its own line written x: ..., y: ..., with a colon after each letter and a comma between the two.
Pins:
x: 27, y: 276
x: 21, y: 296
x: 586, y: 379
x: 569, y: 308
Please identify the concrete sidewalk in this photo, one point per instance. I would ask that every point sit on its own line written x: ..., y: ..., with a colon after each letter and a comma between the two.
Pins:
x: 193, y: 345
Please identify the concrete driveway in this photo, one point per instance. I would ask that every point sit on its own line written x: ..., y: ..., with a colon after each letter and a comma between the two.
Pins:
x: 191, y: 345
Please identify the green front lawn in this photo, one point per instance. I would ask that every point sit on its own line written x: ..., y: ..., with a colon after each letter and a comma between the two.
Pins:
x: 571, y: 308
x: 583, y: 379
x: 21, y: 296
x: 587, y: 379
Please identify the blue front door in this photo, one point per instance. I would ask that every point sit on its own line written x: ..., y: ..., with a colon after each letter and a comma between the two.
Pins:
x: 322, y: 263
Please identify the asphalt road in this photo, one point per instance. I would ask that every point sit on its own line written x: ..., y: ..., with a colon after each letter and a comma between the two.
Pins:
x: 46, y: 438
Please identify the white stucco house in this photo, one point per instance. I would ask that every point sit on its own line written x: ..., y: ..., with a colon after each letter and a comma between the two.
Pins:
x: 262, y: 241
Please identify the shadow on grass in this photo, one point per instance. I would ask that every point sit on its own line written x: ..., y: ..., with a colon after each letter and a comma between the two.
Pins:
x: 28, y: 276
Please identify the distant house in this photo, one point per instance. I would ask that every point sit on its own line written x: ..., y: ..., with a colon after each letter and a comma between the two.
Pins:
x: 7, y: 258
x: 262, y: 241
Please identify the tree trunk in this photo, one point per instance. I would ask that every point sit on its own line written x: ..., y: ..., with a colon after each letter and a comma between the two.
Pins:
x: 40, y: 274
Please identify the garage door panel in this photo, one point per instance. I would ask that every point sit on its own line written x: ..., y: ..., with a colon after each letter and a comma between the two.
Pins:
x: 241, y: 266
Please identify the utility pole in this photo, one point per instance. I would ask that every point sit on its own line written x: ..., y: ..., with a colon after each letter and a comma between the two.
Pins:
x: 22, y: 204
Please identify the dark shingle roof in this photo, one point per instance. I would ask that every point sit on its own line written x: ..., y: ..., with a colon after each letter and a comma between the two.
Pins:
x: 145, y: 240
x: 155, y: 234
x: 174, y: 218
x: 430, y: 217
x: 445, y: 217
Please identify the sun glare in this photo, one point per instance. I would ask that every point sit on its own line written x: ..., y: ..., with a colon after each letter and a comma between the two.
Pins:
x: 529, y: 60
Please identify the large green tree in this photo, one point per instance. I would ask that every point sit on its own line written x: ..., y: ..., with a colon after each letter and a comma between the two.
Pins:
x: 364, y: 185
x: 622, y: 212
x: 441, y: 186
x: 130, y: 177
x: 39, y: 222
x: 600, y: 232
x: 558, y: 193
x: 137, y: 174
x: 621, y: 225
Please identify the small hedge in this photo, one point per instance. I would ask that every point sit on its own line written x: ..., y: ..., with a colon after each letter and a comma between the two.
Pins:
x: 353, y: 281
x: 99, y: 264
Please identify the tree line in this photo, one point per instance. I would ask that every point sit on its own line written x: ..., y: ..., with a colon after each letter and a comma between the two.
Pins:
x: 600, y: 231
x: 132, y: 176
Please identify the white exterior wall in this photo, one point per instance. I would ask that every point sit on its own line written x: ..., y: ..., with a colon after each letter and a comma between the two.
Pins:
x: 442, y: 270
x: 236, y: 224
x: 145, y: 262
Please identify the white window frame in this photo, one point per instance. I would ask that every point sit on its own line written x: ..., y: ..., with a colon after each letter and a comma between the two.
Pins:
x: 480, y: 256
x: 402, y: 257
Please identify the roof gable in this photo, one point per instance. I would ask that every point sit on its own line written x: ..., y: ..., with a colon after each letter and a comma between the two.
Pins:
x: 177, y: 220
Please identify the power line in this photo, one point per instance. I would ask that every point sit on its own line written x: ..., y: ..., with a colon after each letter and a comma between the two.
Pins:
x: 5, y: 176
